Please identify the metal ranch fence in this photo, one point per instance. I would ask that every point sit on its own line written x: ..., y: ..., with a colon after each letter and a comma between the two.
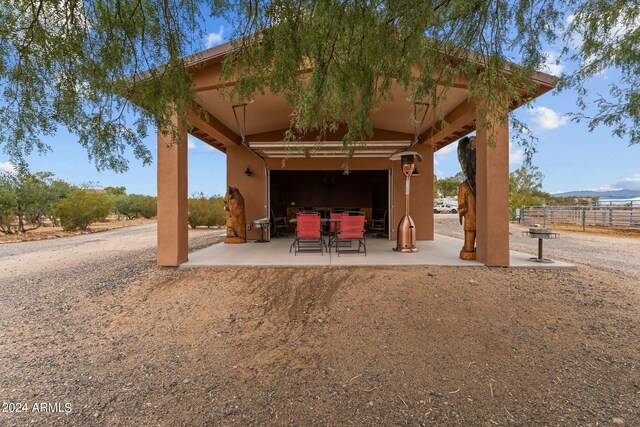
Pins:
x: 582, y: 216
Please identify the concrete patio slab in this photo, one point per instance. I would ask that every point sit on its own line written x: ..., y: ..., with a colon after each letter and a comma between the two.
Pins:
x: 444, y: 250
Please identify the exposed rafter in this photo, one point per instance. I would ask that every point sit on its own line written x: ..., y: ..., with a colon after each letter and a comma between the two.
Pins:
x: 207, y: 123
x: 459, y: 118
x: 277, y: 136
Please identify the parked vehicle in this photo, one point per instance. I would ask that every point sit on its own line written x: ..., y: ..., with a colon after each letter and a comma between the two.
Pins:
x: 444, y: 209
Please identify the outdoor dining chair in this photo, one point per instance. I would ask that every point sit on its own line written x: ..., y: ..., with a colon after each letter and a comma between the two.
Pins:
x: 351, y: 230
x: 280, y: 225
x: 379, y: 225
x: 334, y: 226
x: 308, y: 234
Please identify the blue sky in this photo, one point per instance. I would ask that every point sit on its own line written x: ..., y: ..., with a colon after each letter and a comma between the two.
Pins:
x: 569, y: 156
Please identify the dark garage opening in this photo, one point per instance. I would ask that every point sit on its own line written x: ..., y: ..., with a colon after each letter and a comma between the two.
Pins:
x: 323, y: 191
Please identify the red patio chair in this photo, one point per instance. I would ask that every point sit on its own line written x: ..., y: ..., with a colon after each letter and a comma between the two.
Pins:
x: 308, y: 234
x: 334, y: 227
x: 351, y: 229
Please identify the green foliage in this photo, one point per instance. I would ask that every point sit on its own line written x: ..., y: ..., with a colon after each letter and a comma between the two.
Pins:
x: 82, y: 65
x: 81, y: 208
x: 448, y: 187
x: 58, y: 191
x: 525, y: 189
x: 219, y: 215
x: 116, y: 191
x: 8, y: 202
x: 136, y: 205
x: 607, y: 35
x: 206, y: 212
x: 148, y: 205
x: 69, y: 64
x: 26, y: 200
x: 126, y: 206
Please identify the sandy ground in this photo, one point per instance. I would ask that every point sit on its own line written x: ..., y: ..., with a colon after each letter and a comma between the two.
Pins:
x: 612, y: 252
x: 43, y: 233
x: 125, y: 343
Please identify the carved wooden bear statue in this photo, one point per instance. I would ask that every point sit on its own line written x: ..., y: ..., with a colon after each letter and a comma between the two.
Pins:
x: 236, y: 219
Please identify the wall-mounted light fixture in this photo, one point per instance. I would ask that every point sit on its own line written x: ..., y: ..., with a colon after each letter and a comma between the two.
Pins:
x: 248, y: 171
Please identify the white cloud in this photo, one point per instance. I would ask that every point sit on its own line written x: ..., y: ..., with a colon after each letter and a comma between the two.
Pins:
x: 632, y: 183
x: 515, y: 154
x: 575, y: 39
x: 436, y: 170
x: 214, y: 39
x: 546, y: 118
x: 447, y: 149
x: 551, y: 64
x: 618, y: 31
x: 194, y: 143
x: 622, y: 27
x: 7, y: 167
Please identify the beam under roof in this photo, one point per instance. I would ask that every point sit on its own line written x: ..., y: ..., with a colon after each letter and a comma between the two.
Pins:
x: 209, y: 124
x: 379, y: 135
x: 461, y: 117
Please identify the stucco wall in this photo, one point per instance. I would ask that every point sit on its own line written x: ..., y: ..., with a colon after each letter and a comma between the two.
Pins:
x: 253, y: 188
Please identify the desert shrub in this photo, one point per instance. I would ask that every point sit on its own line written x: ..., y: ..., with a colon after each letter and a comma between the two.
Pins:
x: 115, y: 191
x: 136, y: 205
x: 206, y: 212
x: 27, y: 199
x: 8, y: 202
x: 58, y: 191
x: 219, y: 216
x: 81, y: 208
x: 123, y: 206
x: 148, y: 206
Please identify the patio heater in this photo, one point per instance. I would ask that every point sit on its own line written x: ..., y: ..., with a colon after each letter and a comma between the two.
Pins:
x: 406, y: 235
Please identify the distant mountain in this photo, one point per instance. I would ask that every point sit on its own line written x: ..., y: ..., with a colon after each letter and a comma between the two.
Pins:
x: 589, y: 193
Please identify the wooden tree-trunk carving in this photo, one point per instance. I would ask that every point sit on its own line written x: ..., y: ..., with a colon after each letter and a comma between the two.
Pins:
x: 236, y: 217
x: 467, y: 196
x: 467, y: 210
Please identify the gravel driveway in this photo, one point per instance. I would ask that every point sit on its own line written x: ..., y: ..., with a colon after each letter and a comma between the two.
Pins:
x: 596, y: 250
x: 56, y: 295
x: 125, y: 248
x: 90, y: 322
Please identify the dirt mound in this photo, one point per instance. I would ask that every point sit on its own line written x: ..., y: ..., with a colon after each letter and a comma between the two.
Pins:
x: 350, y: 347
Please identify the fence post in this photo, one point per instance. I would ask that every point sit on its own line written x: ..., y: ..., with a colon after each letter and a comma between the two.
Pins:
x: 544, y: 216
x: 584, y: 218
x: 610, y: 217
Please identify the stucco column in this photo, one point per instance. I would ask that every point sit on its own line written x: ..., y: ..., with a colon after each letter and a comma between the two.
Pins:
x: 173, y: 239
x: 422, y: 194
x: 492, y: 193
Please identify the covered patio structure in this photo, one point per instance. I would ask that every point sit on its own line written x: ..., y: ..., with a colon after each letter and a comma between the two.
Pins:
x: 275, y: 166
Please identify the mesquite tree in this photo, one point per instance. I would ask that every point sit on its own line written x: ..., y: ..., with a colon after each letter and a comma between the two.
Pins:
x: 83, y: 64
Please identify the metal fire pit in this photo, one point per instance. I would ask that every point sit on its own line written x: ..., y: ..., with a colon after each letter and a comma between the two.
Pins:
x: 540, y: 234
